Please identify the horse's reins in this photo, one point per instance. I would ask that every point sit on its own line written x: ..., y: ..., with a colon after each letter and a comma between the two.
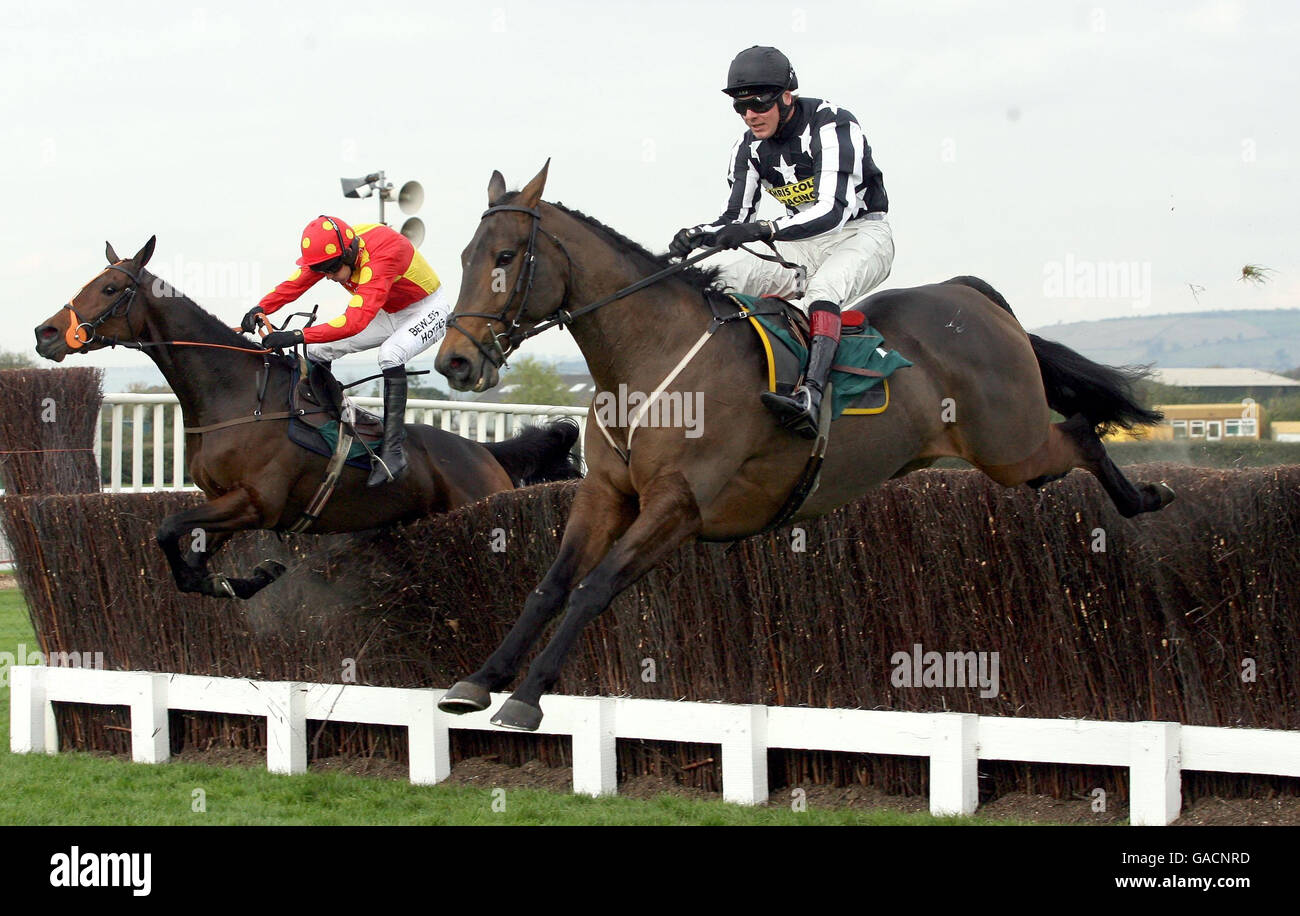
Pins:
x: 514, y: 336
x: 76, y: 341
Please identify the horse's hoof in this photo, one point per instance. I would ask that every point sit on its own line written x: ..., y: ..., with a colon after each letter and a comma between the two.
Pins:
x: 463, y: 697
x: 1162, y: 493
x: 518, y: 715
x: 272, y: 569
x: 218, y: 586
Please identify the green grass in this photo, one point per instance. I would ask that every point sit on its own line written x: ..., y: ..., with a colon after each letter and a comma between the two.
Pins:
x: 85, y: 789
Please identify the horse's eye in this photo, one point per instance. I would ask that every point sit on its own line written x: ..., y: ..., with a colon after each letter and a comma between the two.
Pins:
x: 505, y: 258
x: 110, y: 290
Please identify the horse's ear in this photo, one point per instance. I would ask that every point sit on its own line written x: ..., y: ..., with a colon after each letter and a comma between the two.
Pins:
x: 144, y: 254
x: 531, y: 195
x: 110, y: 253
x: 496, y: 187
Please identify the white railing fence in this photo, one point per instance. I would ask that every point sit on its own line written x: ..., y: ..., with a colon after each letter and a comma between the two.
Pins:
x: 1156, y: 753
x: 128, y: 421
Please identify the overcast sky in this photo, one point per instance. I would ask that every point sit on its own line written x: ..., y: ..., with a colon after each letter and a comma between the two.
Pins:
x: 1034, y: 144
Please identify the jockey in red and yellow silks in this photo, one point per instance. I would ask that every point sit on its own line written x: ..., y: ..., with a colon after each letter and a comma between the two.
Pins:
x: 397, y: 305
x: 389, y: 275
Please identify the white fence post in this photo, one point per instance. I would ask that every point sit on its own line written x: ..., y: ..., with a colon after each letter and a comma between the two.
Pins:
x: 954, y: 758
x: 1155, y: 774
x: 150, y: 734
x: 595, y: 761
x: 744, y: 756
x: 286, y: 727
x: 427, y: 739
x: 159, y: 480
x: 97, y: 447
x: 137, y: 447
x: 27, y: 708
x: 178, y: 448
x: 115, y: 451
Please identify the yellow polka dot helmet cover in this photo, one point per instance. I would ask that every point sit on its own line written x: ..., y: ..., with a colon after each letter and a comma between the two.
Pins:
x: 320, y: 240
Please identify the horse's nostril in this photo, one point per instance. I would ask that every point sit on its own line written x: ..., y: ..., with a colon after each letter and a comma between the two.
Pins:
x: 47, y: 333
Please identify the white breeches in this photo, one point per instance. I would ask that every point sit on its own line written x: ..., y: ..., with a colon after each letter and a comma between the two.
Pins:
x: 843, y: 266
x: 400, y: 336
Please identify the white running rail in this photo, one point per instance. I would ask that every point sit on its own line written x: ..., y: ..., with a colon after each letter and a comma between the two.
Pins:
x: 1156, y: 753
x: 130, y: 417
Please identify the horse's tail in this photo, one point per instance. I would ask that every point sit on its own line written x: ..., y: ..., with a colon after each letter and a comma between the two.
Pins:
x: 1076, y: 384
x: 1103, y: 394
x: 539, y: 454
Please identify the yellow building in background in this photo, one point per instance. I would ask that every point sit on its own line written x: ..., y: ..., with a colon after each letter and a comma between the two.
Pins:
x: 1209, y: 422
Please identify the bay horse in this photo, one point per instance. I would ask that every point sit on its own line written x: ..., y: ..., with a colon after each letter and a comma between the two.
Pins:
x: 252, y: 474
x: 980, y: 388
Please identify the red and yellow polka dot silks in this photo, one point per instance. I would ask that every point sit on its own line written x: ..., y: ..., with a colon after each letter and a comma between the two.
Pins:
x: 389, y: 274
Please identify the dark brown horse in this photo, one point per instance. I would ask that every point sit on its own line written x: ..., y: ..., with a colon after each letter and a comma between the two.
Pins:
x: 252, y: 474
x: 980, y: 389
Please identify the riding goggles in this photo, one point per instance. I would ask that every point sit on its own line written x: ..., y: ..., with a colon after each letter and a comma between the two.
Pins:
x: 328, y: 267
x: 757, y: 103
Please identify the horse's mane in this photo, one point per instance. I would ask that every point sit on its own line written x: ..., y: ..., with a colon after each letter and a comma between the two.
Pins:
x: 703, y: 279
x: 219, y: 331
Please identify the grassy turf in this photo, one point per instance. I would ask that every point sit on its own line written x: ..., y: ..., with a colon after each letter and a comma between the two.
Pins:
x: 84, y: 789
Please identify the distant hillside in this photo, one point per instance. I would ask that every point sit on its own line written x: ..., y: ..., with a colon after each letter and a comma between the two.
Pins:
x: 1263, y: 339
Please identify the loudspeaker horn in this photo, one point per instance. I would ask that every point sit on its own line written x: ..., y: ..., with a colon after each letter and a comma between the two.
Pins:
x: 413, y: 229
x: 411, y: 197
x: 356, y: 187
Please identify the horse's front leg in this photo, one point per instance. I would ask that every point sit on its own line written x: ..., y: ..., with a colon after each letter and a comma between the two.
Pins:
x: 600, y: 514
x: 669, y: 515
x: 189, y: 539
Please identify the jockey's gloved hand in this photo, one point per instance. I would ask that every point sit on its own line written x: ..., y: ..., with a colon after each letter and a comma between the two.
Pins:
x: 279, y: 340
x: 250, y: 321
x: 687, y: 240
x: 737, y: 234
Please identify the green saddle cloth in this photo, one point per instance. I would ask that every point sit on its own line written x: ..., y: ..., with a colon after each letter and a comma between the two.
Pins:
x: 330, y: 433
x: 861, y: 347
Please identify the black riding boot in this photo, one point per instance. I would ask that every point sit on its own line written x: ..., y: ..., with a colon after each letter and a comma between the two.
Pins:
x: 798, y: 411
x: 392, y: 460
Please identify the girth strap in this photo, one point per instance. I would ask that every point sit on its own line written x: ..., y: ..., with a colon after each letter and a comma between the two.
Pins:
x: 278, y: 415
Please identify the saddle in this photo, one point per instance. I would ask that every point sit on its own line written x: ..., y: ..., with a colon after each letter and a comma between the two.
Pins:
x: 860, y: 375
x: 317, y: 402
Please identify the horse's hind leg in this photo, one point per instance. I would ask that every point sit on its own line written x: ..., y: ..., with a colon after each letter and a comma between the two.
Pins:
x: 1129, y: 499
x: 599, y: 516
x: 1075, y: 444
x: 202, y: 531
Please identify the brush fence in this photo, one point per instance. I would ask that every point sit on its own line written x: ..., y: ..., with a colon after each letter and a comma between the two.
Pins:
x: 1156, y: 753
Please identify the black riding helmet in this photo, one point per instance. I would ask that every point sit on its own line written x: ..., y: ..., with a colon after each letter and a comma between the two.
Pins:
x: 760, y: 68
